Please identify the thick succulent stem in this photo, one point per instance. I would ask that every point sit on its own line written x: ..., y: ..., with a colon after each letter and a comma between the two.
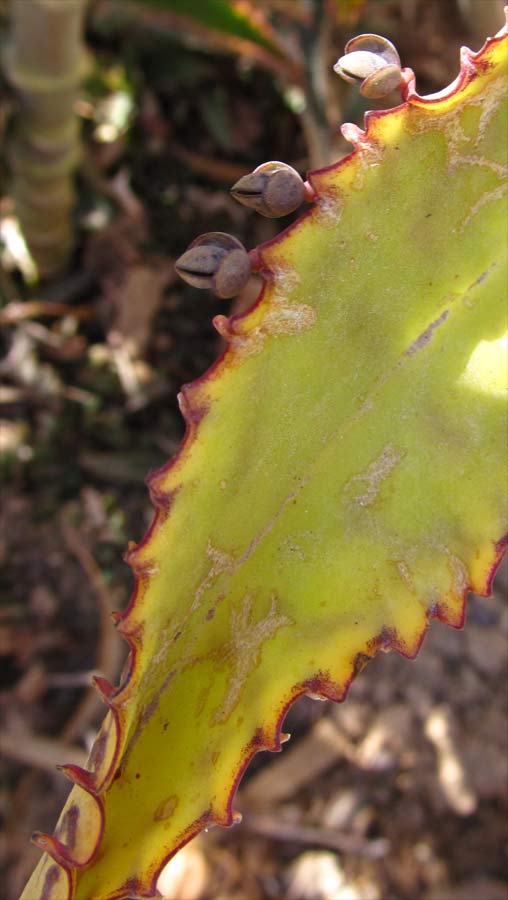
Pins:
x: 45, y: 61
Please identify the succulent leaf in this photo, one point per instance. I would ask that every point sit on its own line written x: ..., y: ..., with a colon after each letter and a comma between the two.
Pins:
x: 342, y: 482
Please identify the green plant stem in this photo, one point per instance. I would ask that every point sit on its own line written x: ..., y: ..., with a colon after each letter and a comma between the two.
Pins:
x: 44, y: 62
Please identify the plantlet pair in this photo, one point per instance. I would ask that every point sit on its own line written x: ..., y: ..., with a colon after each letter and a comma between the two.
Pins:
x: 217, y: 261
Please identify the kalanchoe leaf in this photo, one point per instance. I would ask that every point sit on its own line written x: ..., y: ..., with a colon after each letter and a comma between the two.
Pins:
x: 216, y: 261
x: 372, y: 62
x: 342, y: 481
x: 273, y: 189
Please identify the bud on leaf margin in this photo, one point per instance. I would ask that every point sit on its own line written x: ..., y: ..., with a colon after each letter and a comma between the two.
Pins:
x: 273, y: 189
x: 216, y: 261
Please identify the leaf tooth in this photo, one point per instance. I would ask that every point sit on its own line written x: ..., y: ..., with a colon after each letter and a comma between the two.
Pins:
x: 312, y: 695
x: 129, y: 630
x: 53, y: 847
x: 159, y: 495
x: 132, y: 547
x: 79, y: 776
x: 105, y: 689
x: 225, y: 818
x: 82, y: 826
x: 323, y: 687
x: 449, y: 614
x: 470, y: 63
x: 352, y: 133
x: 131, y: 556
x: 281, y: 737
x: 359, y: 662
x: 390, y: 639
x: 190, y: 407
x: 222, y: 324
x: 134, y: 556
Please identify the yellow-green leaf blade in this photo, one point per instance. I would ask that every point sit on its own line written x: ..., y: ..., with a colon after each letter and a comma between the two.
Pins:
x: 343, y: 478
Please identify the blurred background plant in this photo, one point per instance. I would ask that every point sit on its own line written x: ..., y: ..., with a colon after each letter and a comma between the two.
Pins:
x: 123, y: 124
